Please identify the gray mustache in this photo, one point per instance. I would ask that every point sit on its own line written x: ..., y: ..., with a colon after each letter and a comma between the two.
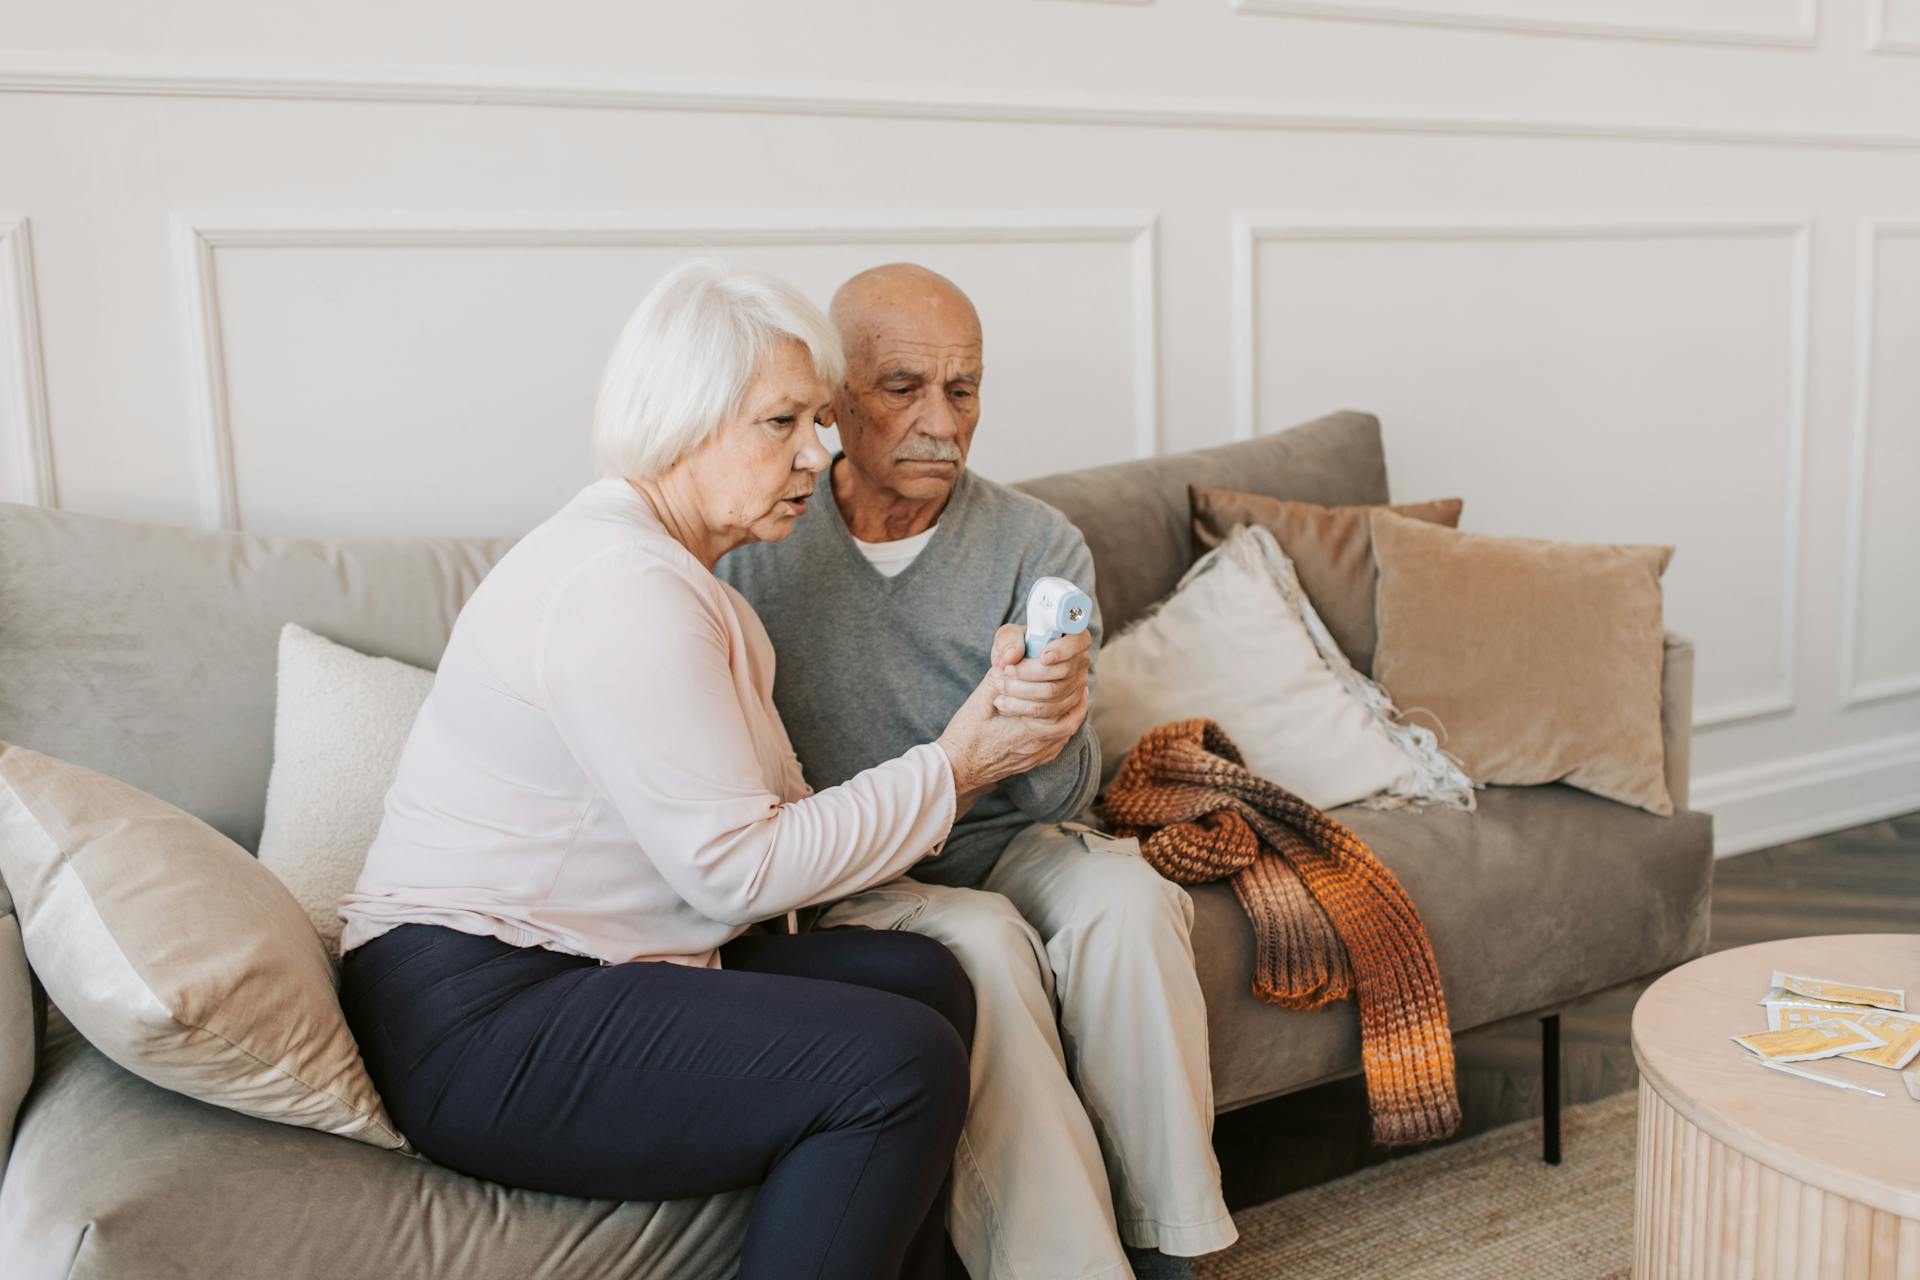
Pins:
x: 925, y: 449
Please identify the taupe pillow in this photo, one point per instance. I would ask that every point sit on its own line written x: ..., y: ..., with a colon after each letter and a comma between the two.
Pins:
x: 1331, y: 550
x: 1541, y: 661
x: 175, y: 953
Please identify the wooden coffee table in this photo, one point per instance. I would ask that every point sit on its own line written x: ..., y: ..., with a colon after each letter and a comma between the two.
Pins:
x: 1749, y: 1172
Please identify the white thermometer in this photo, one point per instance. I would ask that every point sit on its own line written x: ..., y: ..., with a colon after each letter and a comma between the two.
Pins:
x: 1055, y: 608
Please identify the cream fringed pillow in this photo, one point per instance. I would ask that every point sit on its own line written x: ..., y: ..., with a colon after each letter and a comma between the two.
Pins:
x: 1239, y: 642
x: 1541, y: 661
x: 340, y: 721
x: 175, y: 953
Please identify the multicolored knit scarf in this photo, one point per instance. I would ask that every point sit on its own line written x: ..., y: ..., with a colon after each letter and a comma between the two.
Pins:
x: 1329, y: 921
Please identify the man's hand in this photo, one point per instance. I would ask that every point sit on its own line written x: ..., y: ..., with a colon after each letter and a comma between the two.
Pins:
x: 986, y: 744
x: 1042, y: 688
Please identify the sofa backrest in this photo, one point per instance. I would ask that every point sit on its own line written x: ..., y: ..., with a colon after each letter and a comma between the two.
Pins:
x: 148, y: 652
x: 1134, y: 515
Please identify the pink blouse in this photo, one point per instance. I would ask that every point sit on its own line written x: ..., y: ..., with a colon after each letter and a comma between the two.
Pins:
x: 599, y: 768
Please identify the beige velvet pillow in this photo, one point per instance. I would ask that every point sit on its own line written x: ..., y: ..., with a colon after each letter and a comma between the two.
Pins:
x: 1541, y: 660
x: 175, y: 953
x: 1331, y: 549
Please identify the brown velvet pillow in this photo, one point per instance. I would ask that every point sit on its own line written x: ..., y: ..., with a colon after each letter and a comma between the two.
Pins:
x: 1331, y: 550
x: 1540, y: 659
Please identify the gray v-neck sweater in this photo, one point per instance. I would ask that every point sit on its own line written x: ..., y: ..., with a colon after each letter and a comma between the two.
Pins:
x: 867, y: 667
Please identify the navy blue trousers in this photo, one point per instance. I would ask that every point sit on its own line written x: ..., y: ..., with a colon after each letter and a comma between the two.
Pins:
x: 829, y: 1069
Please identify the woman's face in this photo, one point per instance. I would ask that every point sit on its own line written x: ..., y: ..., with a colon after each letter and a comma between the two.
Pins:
x: 753, y: 477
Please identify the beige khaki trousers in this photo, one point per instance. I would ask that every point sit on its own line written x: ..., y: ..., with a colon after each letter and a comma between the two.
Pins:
x: 1092, y: 1112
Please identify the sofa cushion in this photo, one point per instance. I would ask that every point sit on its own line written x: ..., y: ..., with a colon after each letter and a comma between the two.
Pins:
x: 1137, y: 521
x: 175, y: 952
x: 1586, y: 894
x: 147, y: 652
x: 1331, y: 548
x: 339, y: 725
x: 112, y: 1177
x: 1239, y: 643
x: 1541, y: 660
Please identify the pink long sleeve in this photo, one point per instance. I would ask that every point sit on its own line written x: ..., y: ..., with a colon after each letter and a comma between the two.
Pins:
x: 648, y: 675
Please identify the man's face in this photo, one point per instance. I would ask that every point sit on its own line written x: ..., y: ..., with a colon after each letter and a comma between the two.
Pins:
x: 911, y: 399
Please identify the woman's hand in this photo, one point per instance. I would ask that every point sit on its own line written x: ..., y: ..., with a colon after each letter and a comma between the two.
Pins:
x: 1047, y: 701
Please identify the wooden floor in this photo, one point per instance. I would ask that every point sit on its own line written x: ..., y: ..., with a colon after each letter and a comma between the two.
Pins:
x: 1862, y: 880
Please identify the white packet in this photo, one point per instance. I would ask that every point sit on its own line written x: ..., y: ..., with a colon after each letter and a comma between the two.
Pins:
x: 1913, y: 1083
x: 1786, y: 999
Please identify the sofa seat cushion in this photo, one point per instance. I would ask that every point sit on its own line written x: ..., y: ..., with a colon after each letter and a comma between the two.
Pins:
x: 1544, y: 895
x: 114, y: 1177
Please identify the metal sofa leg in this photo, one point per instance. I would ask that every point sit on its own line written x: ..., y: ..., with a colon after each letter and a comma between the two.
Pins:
x: 1550, y: 1086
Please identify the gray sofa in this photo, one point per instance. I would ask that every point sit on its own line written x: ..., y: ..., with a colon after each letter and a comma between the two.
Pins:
x: 148, y: 653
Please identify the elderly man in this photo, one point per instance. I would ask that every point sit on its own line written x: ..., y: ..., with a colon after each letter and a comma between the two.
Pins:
x: 880, y: 606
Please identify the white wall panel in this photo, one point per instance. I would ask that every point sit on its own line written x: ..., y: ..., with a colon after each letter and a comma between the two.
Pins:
x: 1599, y: 382
x: 1880, y: 637
x: 372, y: 376
x: 26, y: 454
x: 1893, y: 26
x: 1710, y: 21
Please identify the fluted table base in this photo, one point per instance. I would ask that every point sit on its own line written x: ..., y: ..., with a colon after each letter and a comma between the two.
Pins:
x: 1703, y: 1210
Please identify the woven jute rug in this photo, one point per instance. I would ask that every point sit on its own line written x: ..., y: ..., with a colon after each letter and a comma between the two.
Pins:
x: 1485, y: 1207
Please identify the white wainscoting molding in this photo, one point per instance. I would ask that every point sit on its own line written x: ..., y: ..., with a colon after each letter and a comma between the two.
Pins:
x: 1852, y: 692
x: 24, y: 71
x: 1882, y: 38
x: 26, y: 440
x: 1520, y: 16
x: 1809, y: 795
x: 198, y: 235
x: 1250, y: 230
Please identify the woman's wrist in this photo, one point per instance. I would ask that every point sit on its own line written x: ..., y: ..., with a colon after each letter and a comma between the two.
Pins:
x: 967, y: 789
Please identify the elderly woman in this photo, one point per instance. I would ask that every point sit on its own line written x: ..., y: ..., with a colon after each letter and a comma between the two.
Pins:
x: 546, y: 959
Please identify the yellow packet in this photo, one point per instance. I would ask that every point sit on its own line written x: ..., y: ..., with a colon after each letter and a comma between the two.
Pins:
x: 1893, y: 998
x: 1823, y: 1038
x: 1902, y: 1034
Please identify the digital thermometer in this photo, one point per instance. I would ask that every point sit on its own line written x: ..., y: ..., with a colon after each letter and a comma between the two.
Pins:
x: 1055, y: 608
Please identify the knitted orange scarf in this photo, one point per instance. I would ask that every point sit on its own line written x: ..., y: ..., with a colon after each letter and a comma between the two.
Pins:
x: 1329, y: 921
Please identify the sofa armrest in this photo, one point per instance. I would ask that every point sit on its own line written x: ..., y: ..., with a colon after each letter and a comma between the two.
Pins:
x: 1676, y: 715
x: 22, y: 1011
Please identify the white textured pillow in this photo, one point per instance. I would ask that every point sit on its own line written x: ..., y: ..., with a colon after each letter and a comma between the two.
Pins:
x: 1238, y: 642
x: 175, y: 953
x: 339, y: 725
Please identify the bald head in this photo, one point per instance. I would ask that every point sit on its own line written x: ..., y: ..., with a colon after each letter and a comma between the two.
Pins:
x: 901, y: 294
x: 911, y: 397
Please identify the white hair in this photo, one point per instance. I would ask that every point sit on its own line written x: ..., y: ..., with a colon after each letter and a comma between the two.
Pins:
x: 685, y: 360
